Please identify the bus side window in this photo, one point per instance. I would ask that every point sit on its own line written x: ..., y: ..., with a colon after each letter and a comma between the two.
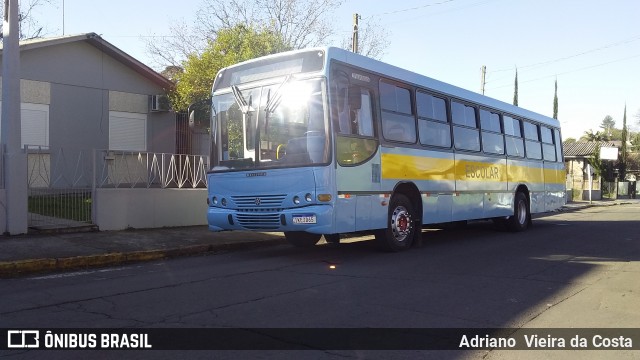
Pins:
x: 532, y: 141
x: 433, y: 125
x: 398, y: 122
x: 513, y: 136
x: 492, y: 139
x: 363, y: 117
x: 359, y: 144
x: 558, y: 143
x: 548, y: 149
x: 466, y: 135
x: 341, y: 107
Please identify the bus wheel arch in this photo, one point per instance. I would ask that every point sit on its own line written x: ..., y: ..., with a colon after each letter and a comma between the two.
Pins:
x: 521, y: 218
x: 404, y: 219
x: 410, y: 190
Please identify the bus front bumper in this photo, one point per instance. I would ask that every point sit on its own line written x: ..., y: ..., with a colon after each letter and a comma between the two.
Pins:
x: 315, y: 219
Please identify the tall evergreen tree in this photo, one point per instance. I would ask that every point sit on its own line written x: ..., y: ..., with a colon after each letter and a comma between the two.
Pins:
x: 515, y: 90
x: 555, y: 102
x: 623, y: 149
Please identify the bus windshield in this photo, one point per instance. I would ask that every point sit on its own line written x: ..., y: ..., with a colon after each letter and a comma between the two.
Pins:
x: 279, y: 125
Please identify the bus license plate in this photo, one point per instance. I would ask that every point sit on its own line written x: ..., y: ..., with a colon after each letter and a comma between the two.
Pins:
x: 304, y: 219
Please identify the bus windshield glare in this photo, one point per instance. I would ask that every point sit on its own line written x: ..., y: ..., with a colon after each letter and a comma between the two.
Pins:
x: 278, y: 125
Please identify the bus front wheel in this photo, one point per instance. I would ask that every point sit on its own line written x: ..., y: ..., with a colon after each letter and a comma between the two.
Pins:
x: 519, y: 221
x: 302, y: 239
x: 400, y: 229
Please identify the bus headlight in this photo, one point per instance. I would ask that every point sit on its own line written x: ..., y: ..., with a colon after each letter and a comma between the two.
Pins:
x: 296, y: 200
x: 308, y: 197
x: 223, y: 202
x: 214, y: 200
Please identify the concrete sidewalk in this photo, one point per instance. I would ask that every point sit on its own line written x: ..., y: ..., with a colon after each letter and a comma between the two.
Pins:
x: 32, y: 253
x: 25, y: 254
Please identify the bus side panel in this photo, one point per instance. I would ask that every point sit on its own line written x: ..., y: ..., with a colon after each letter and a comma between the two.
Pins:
x: 481, y: 184
x: 345, y: 214
x: 437, y: 208
x: 358, y: 206
x: 531, y: 174
x: 555, y: 192
x: 431, y: 171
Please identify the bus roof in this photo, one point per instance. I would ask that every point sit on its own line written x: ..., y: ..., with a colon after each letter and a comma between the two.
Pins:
x: 387, y: 70
x: 390, y: 71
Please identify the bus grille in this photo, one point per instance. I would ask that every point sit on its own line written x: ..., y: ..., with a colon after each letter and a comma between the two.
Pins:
x: 258, y: 221
x: 259, y: 201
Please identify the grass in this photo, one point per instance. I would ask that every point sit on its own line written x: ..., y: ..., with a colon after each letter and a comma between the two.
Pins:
x: 71, y: 206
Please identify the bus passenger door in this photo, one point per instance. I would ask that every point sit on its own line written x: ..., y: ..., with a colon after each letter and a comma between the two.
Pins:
x: 357, y: 156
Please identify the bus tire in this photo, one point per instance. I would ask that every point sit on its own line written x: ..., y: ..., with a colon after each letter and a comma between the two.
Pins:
x: 302, y: 239
x: 400, y: 230
x: 521, y: 217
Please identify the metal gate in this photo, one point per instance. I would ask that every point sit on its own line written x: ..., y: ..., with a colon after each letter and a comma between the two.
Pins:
x: 59, y: 188
x: 192, y: 138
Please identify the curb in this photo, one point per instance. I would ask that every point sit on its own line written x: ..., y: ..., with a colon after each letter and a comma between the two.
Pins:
x: 11, y: 269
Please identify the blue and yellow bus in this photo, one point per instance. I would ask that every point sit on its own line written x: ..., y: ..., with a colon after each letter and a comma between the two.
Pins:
x: 327, y: 142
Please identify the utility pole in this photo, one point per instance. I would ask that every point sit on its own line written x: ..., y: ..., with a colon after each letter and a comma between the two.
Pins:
x: 354, y: 40
x: 15, y: 160
x: 483, y: 78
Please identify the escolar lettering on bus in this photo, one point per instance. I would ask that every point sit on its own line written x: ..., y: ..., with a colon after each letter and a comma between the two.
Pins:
x: 482, y: 172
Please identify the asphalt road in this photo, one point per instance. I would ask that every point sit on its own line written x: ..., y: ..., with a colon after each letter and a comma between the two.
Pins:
x: 571, y: 270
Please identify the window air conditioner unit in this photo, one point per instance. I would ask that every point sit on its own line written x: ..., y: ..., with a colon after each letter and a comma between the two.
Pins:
x: 160, y: 103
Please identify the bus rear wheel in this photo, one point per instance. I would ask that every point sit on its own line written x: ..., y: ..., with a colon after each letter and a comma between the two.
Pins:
x: 521, y: 217
x: 400, y: 229
x: 302, y: 239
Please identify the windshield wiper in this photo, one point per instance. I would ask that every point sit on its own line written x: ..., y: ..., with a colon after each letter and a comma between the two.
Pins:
x: 274, y: 101
x: 244, y: 107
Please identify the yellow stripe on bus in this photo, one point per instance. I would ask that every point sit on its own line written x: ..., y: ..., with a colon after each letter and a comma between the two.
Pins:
x: 407, y: 167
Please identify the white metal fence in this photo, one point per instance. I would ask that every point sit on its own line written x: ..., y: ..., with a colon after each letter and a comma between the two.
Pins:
x: 151, y: 170
x: 59, y: 187
x: 62, y: 182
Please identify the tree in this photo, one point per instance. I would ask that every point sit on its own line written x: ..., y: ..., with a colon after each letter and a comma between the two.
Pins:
x: 591, y: 136
x: 634, y: 138
x: 300, y: 24
x: 569, y: 140
x: 595, y: 161
x: 622, y: 166
x: 515, y: 90
x: 555, y: 101
x: 29, y: 27
x: 607, y: 125
x: 231, y: 46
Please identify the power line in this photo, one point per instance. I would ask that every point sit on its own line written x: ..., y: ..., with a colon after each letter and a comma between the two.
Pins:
x: 567, y: 72
x: 410, y: 9
x: 572, y: 56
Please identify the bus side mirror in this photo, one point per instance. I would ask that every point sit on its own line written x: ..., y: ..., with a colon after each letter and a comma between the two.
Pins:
x: 355, y: 97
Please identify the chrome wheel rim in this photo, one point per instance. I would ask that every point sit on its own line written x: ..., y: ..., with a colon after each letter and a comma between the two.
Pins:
x: 400, y: 223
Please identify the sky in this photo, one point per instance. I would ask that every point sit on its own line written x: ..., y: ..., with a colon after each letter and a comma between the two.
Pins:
x: 591, y: 47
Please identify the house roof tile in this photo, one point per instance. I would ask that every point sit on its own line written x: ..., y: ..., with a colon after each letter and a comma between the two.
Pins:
x: 584, y: 149
x: 97, y: 41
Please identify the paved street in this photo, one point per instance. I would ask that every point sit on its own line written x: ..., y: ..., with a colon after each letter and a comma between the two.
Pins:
x: 574, y: 269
